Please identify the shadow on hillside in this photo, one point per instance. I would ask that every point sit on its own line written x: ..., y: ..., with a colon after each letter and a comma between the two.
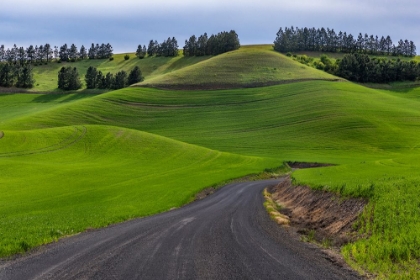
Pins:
x: 65, y: 97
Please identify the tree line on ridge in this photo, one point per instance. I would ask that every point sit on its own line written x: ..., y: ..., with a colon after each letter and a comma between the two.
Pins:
x: 327, y: 40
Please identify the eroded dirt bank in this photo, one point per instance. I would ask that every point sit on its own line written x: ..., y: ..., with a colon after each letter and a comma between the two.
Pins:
x: 323, y: 215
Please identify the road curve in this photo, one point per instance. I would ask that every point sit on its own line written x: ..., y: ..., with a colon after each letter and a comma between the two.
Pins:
x: 228, y: 235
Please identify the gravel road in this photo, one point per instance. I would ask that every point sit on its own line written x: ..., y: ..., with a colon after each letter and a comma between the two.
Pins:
x: 227, y: 235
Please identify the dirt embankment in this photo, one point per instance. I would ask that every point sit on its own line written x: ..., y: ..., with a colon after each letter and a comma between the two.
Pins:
x: 1, y: 134
x: 324, y: 216
x: 300, y: 165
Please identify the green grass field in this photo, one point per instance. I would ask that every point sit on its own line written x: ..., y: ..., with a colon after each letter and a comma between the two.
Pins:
x: 72, y: 162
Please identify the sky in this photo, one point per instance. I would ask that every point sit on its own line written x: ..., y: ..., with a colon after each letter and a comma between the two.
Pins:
x: 127, y: 23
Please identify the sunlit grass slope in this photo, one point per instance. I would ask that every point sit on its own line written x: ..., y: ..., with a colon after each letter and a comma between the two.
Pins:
x: 304, y: 121
x: 64, y: 180
x: 249, y: 66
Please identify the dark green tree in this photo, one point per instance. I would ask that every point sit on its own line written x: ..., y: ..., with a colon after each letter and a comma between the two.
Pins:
x: 152, y: 48
x: 48, y: 52
x: 92, y: 52
x: 40, y: 54
x: 2, y: 53
x: 120, y: 80
x: 30, y: 53
x: 109, y: 80
x: 68, y: 79
x: 135, y: 76
x: 83, y: 53
x: 25, y: 77
x: 64, y: 53
x: 21, y: 56
x: 7, y: 75
x: 100, y: 81
x: 140, y: 53
x: 91, y: 77
x: 73, y: 53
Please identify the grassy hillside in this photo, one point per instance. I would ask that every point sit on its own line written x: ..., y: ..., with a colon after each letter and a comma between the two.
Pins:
x: 108, y: 145
x: 248, y: 66
x: 279, y: 121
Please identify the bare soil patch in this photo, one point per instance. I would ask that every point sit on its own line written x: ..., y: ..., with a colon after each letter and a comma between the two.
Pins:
x: 325, y: 216
x: 299, y: 165
x: 1, y: 134
x: 204, y: 193
x: 9, y: 90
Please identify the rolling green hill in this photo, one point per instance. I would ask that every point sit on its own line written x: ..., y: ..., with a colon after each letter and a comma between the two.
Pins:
x: 140, y: 150
x: 248, y: 66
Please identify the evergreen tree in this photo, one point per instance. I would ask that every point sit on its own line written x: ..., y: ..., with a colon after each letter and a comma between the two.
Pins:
x: 120, y: 80
x: 152, y: 48
x: 109, y: 80
x: 97, y: 51
x: 100, y: 81
x: 21, y: 56
x: 2, y: 53
x: 135, y: 76
x: 30, y: 53
x: 92, y: 52
x: 56, y: 52
x: 68, y: 79
x: 185, y: 50
x: 412, y: 49
x: 83, y: 54
x: 64, y: 53
x: 14, y: 54
x: 139, y: 53
x: 74, y: 82
x: 91, y: 77
x: 202, y: 45
x: 25, y: 77
x: 192, y: 46
x: 108, y: 51
x: 8, y: 56
x: 173, y: 49
x: 144, y: 50
x: 41, y: 53
x: 7, y: 77
x: 73, y: 53
x: 48, y: 52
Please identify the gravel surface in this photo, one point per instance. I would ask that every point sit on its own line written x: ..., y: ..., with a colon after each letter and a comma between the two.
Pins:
x: 227, y: 235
